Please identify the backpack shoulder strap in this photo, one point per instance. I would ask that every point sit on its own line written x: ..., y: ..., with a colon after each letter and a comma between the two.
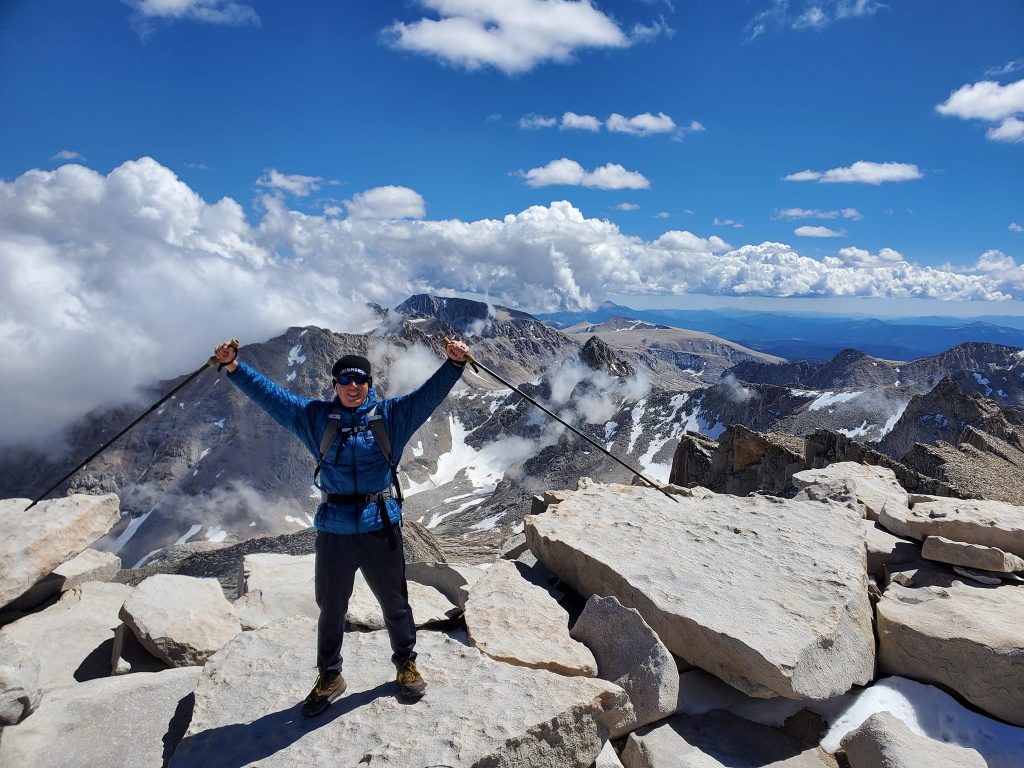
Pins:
x: 331, y: 431
x: 375, y: 421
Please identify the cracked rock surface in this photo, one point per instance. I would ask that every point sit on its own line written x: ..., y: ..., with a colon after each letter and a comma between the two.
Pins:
x: 697, y: 571
x: 476, y: 712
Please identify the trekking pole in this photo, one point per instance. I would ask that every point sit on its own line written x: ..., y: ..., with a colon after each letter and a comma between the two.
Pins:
x: 234, y: 344
x: 478, y: 366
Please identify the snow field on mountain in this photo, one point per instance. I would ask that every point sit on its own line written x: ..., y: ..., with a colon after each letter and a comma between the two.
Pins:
x: 483, y: 468
x: 831, y: 398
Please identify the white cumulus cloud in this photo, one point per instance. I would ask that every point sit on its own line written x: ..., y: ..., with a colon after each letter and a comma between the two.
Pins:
x: 536, y: 121
x: 790, y: 214
x: 1015, y: 227
x: 511, y: 35
x: 570, y: 120
x: 682, y: 240
x: 209, y: 11
x: 728, y: 223
x: 818, y: 232
x: 1002, y: 269
x: 861, y: 172
x: 988, y: 100
x: 859, y: 257
x: 292, y: 183
x: 644, y: 124
x: 626, y: 207
x: 568, y: 172
x: 1011, y: 130
x: 67, y: 154
x: 388, y: 202
x: 92, y: 265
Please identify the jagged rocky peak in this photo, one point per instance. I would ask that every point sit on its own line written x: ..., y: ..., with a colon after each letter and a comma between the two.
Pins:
x: 455, y: 312
x: 741, y: 462
x: 962, y: 438
x: 463, y: 315
x: 598, y: 355
x: 849, y: 355
x: 849, y: 368
x: 941, y: 414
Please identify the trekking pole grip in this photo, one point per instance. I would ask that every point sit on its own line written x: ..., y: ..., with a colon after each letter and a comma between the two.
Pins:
x: 234, y: 344
x: 469, y: 355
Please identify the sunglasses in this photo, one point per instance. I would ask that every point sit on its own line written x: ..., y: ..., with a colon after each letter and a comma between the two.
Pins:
x: 352, y: 378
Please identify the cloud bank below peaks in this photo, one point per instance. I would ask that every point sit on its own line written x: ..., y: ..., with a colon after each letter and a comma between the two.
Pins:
x: 130, y: 277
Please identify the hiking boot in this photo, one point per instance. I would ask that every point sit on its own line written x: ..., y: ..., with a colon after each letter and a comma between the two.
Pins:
x: 410, y: 682
x: 328, y: 687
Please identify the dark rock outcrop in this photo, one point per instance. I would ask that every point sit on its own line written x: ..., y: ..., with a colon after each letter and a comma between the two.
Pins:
x: 744, y: 461
x: 981, y: 465
x: 692, y: 462
x: 850, y: 368
x: 825, y: 447
x: 944, y: 413
x: 598, y: 355
x: 741, y: 462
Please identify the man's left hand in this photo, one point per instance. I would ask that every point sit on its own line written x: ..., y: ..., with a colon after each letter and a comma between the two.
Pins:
x: 457, y: 351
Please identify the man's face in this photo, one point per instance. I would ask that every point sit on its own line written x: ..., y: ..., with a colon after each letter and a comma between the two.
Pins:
x: 350, y: 391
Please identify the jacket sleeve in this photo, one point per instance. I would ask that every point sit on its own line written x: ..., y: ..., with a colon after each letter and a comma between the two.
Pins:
x: 292, y: 412
x: 405, y: 414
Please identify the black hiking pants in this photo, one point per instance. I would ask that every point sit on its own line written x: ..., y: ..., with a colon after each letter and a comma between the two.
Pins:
x: 338, y: 557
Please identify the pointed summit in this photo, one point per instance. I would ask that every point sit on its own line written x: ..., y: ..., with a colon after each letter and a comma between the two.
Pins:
x: 600, y: 356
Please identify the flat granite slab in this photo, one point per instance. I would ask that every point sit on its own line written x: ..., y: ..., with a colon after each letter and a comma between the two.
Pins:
x: 476, y: 712
x: 768, y: 594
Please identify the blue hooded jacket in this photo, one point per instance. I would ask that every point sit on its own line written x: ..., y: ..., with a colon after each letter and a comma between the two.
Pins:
x: 354, y: 464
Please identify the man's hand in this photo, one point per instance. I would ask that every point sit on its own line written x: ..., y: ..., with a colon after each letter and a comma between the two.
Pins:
x: 457, y: 352
x: 226, y: 355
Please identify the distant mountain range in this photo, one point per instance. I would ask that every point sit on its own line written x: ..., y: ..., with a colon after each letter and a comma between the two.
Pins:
x: 816, y: 337
x: 210, y: 465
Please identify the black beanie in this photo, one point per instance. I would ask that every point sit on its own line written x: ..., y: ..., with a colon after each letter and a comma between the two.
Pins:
x: 348, y: 362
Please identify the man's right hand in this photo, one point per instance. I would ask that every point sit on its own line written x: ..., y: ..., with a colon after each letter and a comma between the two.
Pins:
x: 227, y: 356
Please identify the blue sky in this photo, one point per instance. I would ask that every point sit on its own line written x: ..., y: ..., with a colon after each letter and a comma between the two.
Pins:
x: 325, y: 90
x: 176, y: 169
x: 747, y: 93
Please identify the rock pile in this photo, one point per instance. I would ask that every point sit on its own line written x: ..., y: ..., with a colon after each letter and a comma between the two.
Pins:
x: 743, y: 461
x: 740, y: 462
x: 568, y: 652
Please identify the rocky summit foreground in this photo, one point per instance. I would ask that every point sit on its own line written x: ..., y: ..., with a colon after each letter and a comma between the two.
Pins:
x: 576, y: 654
x: 478, y: 712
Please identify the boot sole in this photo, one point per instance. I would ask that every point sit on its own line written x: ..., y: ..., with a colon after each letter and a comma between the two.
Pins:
x: 323, y: 705
x: 412, y: 694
